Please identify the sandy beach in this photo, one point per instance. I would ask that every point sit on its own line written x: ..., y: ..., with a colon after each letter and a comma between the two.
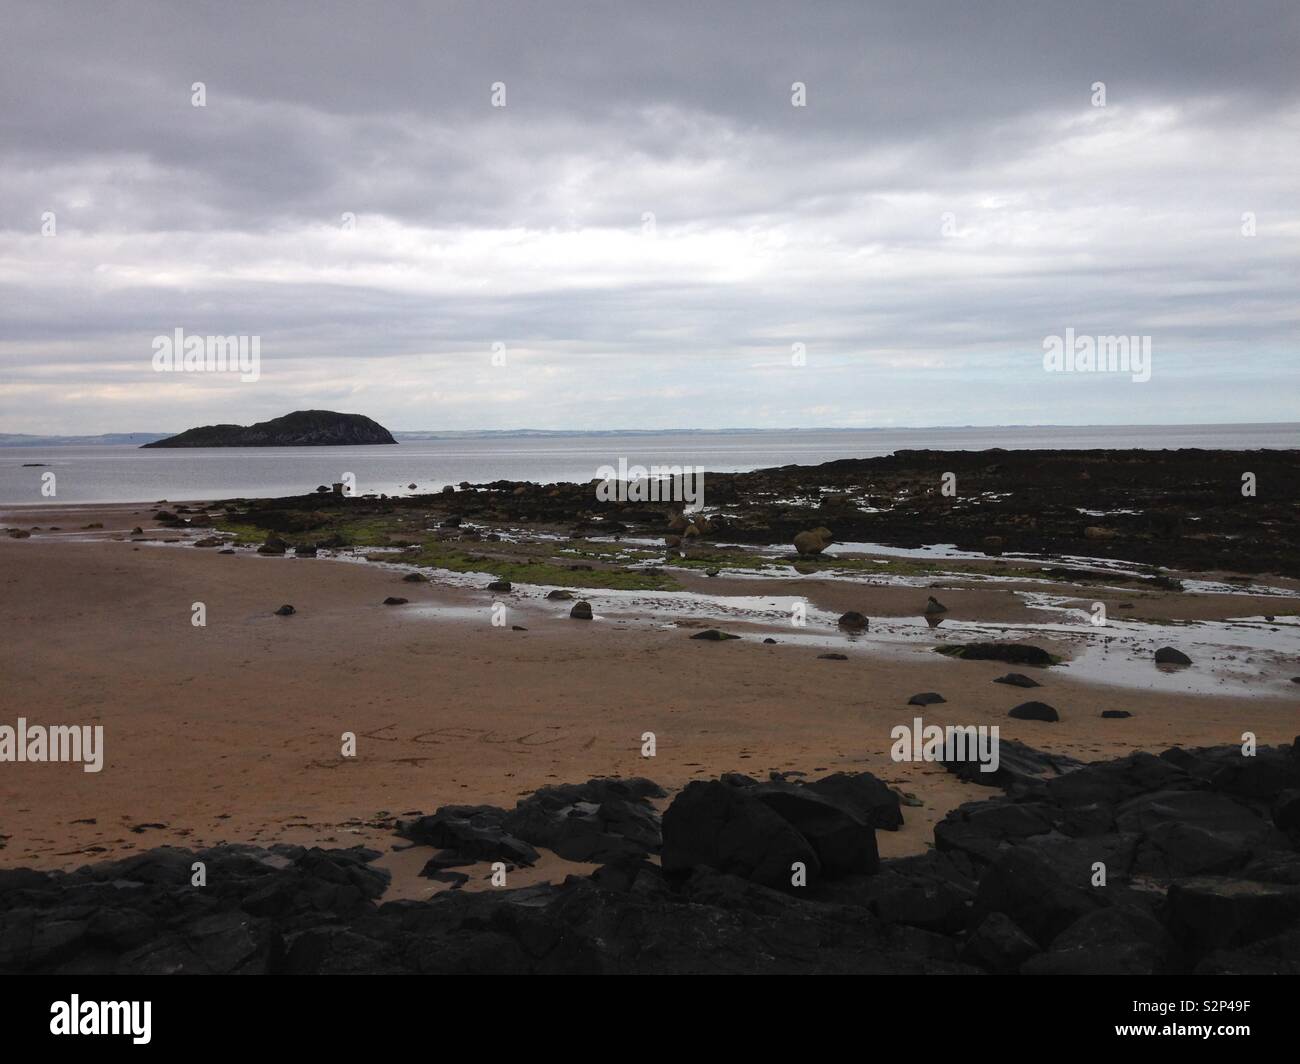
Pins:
x: 233, y: 731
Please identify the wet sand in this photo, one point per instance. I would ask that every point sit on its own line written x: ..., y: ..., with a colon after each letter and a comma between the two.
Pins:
x: 232, y: 732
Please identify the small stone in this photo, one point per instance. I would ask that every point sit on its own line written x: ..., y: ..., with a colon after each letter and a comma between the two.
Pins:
x: 1018, y: 679
x: 285, y: 611
x: 394, y: 600
x: 581, y: 611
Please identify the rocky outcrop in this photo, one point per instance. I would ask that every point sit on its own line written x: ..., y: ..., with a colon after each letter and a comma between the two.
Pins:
x: 1183, y: 862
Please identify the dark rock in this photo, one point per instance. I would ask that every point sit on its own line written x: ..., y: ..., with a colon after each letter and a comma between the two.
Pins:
x: 581, y: 611
x: 843, y: 841
x: 599, y: 821
x: 1170, y: 656
x: 1115, y: 714
x: 710, y: 824
x: 1027, y: 888
x: 833, y: 657
x: 1211, y: 912
x: 713, y: 635
x: 1286, y: 812
x: 499, y: 585
x: 1034, y: 711
x: 1017, y: 679
x: 416, y: 578
x: 1018, y: 765
x: 872, y: 800
x: 471, y: 831
x: 927, y: 698
x: 998, y: 945
x: 1191, y: 832
x: 285, y: 611
x: 854, y: 621
x: 560, y: 595
x: 395, y: 600
x: 1011, y: 653
x: 1110, y: 941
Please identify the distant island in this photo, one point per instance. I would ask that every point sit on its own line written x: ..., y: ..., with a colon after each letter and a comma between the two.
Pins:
x: 302, y: 428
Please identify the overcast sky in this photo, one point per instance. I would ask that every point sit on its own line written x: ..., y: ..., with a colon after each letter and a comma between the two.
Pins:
x: 649, y: 224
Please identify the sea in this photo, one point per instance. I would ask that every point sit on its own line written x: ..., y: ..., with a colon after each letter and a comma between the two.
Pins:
x: 103, y: 473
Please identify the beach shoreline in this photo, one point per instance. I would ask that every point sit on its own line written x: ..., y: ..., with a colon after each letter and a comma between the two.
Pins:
x: 232, y: 731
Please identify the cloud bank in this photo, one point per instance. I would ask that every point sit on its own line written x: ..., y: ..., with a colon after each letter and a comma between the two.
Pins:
x: 649, y: 233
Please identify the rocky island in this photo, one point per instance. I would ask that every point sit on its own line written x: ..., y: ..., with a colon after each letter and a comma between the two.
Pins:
x: 302, y: 428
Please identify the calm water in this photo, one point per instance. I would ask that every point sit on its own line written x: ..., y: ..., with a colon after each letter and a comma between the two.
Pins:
x: 128, y: 474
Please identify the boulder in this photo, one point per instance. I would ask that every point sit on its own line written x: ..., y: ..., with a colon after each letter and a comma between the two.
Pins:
x: 1034, y: 711
x: 1212, y: 912
x: 1171, y: 656
x: 926, y: 698
x: 710, y: 824
x: 581, y: 611
x: 1191, y: 832
x: 998, y: 945
x: 1111, y: 941
x: 1017, y: 679
x: 1027, y: 888
x: 469, y: 831
x: 872, y: 800
x: 813, y: 542
x: 843, y: 841
x: 854, y: 621
x: 1011, y: 653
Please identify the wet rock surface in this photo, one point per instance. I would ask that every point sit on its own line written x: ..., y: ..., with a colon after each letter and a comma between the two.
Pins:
x: 1200, y: 851
x: 1013, y: 502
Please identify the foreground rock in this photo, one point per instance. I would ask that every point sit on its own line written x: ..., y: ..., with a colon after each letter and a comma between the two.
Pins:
x: 1199, y: 850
